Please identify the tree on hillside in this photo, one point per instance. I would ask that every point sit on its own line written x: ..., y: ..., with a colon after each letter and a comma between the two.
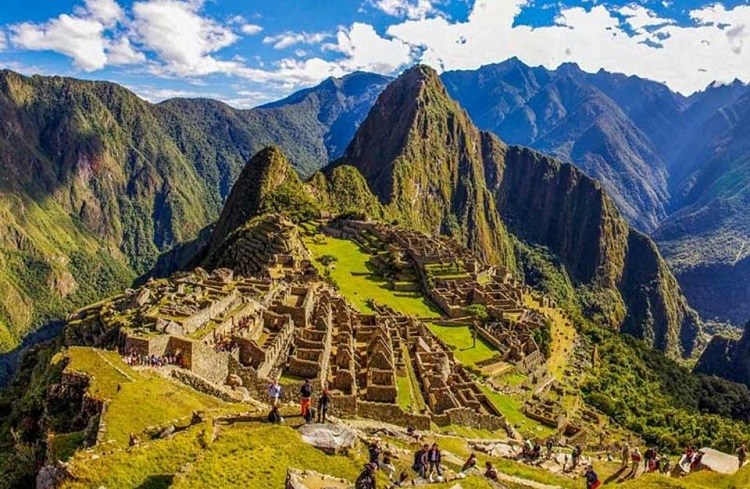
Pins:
x: 479, y: 314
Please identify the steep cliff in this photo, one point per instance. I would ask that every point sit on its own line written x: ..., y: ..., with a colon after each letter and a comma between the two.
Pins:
x: 727, y: 358
x: 422, y: 157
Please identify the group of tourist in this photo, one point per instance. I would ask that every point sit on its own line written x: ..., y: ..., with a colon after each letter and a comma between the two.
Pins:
x: 276, y: 391
x: 133, y: 358
x: 652, y: 460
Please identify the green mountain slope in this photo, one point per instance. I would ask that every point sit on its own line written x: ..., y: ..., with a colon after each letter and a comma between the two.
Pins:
x: 95, y: 182
x: 424, y: 159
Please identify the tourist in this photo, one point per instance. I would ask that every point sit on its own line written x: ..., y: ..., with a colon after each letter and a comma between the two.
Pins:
x: 575, y: 456
x: 374, y: 452
x: 648, y: 456
x: 665, y: 465
x: 625, y: 454
x: 434, y: 457
x: 742, y: 454
x: 402, y: 478
x: 274, y: 392
x: 489, y: 471
x: 550, y: 445
x: 305, y: 395
x: 420, y: 461
x: 324, y: 402
x: 366, y: 479
x: 470, y: 463
x: 536, y: 452
x: 274, y: 416
x: 636, y: 458
x: 386, y: 465
x: 592, y: 480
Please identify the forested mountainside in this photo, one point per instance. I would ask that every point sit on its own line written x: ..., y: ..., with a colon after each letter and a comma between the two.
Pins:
x: 96, y: 183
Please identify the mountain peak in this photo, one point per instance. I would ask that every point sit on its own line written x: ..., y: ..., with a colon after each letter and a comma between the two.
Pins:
x: 267, y: 175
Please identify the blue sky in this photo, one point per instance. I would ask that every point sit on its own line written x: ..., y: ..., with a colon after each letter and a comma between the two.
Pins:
x: 247, y: 52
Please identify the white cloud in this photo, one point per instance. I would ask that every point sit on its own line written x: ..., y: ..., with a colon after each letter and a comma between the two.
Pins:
x: 77, y: 37
x: 108, y: 12
x: 2, y: 40
x: 183, y: 40
x: 687, y: 58
x: 83, y: 36
x: 417, y: 9
x: 121, y: 52
x: 251, y: 29
x: 288, y: 39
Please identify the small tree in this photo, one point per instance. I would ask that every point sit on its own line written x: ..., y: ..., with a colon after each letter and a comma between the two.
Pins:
x: 479, y: 314
x: 327, y: 260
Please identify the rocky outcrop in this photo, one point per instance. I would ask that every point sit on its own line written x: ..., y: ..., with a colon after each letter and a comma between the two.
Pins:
x: 727, y: 358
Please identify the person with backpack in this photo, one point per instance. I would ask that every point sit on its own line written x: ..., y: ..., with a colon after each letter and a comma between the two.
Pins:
x: 592, y: 480
x: 305, y: 396
x: 649, y: 455
x: 420, y: 461
x: 324, y: 402
x: 625, y: 454
x: 274, y: 416
x: 489, y: 471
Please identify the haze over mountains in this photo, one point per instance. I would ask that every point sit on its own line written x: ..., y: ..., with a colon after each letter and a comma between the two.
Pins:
x: 98, y: 181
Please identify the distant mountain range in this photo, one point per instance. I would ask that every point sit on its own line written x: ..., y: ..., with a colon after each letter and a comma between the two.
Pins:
x: 95, y: 183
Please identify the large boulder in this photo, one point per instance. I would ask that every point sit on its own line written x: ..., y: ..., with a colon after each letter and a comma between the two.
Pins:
x: 329, y: 438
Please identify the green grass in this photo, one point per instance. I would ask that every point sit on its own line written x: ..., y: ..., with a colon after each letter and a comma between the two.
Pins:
x: 404, y: 398
x: 258, y: 456
x: 143, y: 399
x: 512, y: 409
x: 358, y: 283
x: 460, y: 338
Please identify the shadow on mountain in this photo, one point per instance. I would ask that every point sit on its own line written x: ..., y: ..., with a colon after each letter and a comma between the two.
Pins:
x: 9, y: 361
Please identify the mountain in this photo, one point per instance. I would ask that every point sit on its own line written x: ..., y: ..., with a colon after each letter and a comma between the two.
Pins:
x: 589, y: 120
x: 95, y: 183
x: 707, y: 237
x: 677, y: 167
x: 427, y: 163
x: 424, y: 159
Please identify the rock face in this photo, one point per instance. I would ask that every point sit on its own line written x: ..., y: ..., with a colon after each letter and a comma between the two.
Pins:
x: 727, y: 358
x: 422, y: 157
x: 431, y: 168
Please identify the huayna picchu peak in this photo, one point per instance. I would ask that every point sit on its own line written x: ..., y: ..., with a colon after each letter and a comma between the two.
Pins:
x: 408, y: 301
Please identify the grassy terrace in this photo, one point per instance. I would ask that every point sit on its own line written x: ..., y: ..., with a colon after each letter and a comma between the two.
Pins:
x: 144, y: 398
x: 460, y: 338
x: 358, y: 283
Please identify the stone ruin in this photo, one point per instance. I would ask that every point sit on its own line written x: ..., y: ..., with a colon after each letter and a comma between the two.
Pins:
x: 454, y: 278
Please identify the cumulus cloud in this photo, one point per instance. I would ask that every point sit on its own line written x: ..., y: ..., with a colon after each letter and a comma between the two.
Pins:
x: 687, y: 58
x: 288, y: 39
x: 183, y: 40
x: 2, y: 40
x: 77, y: 37
x: 121, y: 52
x: 417, y: 9
x: 251, y: 29
x: 81, y: 36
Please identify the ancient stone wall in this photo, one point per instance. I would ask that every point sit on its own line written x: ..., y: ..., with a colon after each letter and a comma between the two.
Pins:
x: 202, y: 385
